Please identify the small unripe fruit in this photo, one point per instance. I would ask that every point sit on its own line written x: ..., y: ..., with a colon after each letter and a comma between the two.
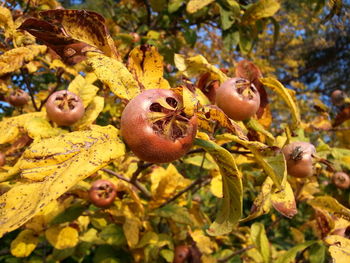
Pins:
x: 2, y: 159
x: 299, y: 156
x: 341, y: 180
x: 102, y: 193
x: 18, y: 98
x: 238, y: 98
x: 182, y: 253
x: 338, y: 97
x: 64, y: 108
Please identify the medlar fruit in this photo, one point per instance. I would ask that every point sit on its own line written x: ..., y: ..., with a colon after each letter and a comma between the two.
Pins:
x: 102, y: 193
x: 2, y: 159
x: 238, y: 98
x: 341, y: 180
x: 338, y: 97
x: 155, y: 127
x: 182, y: 253
x: 64, y: 108
x: 299, y: 158
x: 18, y: 98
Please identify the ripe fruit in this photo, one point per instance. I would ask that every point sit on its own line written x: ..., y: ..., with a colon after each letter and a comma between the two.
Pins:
x: 155, y: 127
x: 18, y: 98
x: 341, y: 180
x: 2, y: 159
x: 238, y: 98
x: 102, y: 193
x: 338, y: 97
x: 181, y: 254
x: 64, y: 108
x: 299, y: 158
x: 135, y: 37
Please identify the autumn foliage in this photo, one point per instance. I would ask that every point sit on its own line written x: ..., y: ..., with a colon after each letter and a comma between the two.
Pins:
x: 180, y: 175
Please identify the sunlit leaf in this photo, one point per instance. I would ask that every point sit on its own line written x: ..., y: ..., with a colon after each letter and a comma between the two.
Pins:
x: 131, y: 230
x: 91, y: 113
x: 195, y: 5
x: 231, y: 208
x: 24, y: 244
x: 146, y: 64
x: 203, y: 242
x: 83, y: 89
x: 276, y: 86
x: 62, y: 237
x: 284, y: 202
x: 176, y: 213
x: 6, y: 21
x: 52, y: 166
x: 196, y: 65
x: 115, y: 75
x: 260, y: 9
x: 331, y: 205
x: 339, y: 248
x: 15, y: 58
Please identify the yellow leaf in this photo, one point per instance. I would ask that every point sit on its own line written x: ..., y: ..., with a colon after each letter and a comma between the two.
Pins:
x: 52, y: 166
x: 146, y: 64
x: 24, y: 244
x: 15, y: 58
x: 195, y: 5
x: 339, y: 248
x: 62, y: 237
x: 56, y: 64
x: 91, y: 113
x: 83, y: 89
x: 197, y: 65
x: 6, y: 21
x: 284, y: 202
x: 216, y: 186
x: 9, y: 127
x: 259, y: 10
x: 39, y: 128
x: 203, y: 242
x: 276, y: 86
x: 131, y: 230
x: 165, y: 183
x: 115, y: 75
x: 330, y: 204
x: 190, y: 101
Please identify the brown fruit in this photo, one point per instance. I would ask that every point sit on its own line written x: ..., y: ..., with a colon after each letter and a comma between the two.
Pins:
x: 18, y: 98
x: 298, y: 156
x: 2, y: 159
x: 135, y: 37
x: 341, y: 180
x: 182, y: 253
x: 338, y: 97
x: 238, y: 98
x: 102, y: 193
x: 64, y: 108
x: 155, y: 127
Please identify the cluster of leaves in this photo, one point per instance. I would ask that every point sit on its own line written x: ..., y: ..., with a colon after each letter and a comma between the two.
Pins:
x: 263, y: 215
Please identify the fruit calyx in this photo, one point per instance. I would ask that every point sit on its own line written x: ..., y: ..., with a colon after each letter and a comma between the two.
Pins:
x: 66, y: 101
x: 168, y: 118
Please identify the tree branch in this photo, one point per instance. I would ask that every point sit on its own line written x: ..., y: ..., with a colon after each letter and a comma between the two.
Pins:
x: 136, y: 183
x: 31, y: 93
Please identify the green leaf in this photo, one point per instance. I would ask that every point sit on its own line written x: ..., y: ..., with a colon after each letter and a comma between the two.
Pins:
x: 231, y: 208
x: 230, y: 38
x: 289, y: 256
x: 113, y: 235
x: 245, y: 39
x: 70, y: 214
x: 331, y: 205
x: 271, y: 161
x: 260, y: 9
x: 258, y: 235
x: 190, y: 36
x: 276, y: 86
x: 174, y: 5
x: 194, y: 6
x: 317, y: 253
x: 229, y: 16
x: 158, y: 5
x: 176, y: 213
x: 256, y: 126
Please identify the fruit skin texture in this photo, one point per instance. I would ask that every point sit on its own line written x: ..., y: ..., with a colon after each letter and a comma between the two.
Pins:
x: 102, y: 193
x: 338, y: 97
x: 182, y: 253
x: 298, y: 156
x: 18, y: 98
x: 341, y: 180
x: 238, y: 98
x: 149, y: 142
x: 2, y: 159
x: 64, y: 108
